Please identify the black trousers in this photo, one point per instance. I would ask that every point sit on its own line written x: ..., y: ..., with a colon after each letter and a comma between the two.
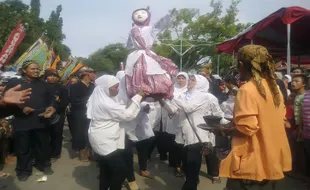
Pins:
x: 2, y: 151
x: 143, y: 148
x: 160, y: 142
x: 127, y: 155
x: 213, y: 165
x: 5, y: 143
x: 112, y: 171
x: 70, y: 122
x: 80, y: 125
x: 56, y: 132
x: 33, y: 142
x: 239, y: 184
x: 192, y: 163
x: 175, y: 151
x: 307, y: 150
x: 176, y: 155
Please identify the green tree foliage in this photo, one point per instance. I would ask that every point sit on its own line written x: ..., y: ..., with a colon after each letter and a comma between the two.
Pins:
x: 54, y: 34
x: 107, y: 59
x: 163, y: 49
x: 12, y: 11
x: 62, y: 50
x: 35, y: 8
x: 203, y: 32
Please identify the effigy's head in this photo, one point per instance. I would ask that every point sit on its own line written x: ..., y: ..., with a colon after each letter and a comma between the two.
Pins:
x: 141, y: 17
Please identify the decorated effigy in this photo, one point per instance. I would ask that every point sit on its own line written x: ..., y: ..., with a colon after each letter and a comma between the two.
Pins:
x: 144, y: 69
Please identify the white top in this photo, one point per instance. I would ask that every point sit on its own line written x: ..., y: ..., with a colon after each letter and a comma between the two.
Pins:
x: 146, y: 122
x: 197, y: 103
x: 171, y: 123
x: 105, y: 133
x: 228, y: 107
x: 195, y: 113
x: 171, y: 110
x: 122, y: 98
x: 106, y: 136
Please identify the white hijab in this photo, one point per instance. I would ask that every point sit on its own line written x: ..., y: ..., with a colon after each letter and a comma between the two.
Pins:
x: 178, y: 90
x: 122, y: 96
x: 100, y: 105
x: 201, y: 88
x: 196, y: 96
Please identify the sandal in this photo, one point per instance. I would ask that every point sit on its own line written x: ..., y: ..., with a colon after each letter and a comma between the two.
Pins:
x: 178, y: 172
x: 146, y: 174
x: 4, y: 175
x: 133, y: 186
x: 216, y: 180
x: 83, y: 156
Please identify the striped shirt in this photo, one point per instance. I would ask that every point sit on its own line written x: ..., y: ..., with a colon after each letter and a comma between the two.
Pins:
x: 306, y: 115
x: 299, y: 99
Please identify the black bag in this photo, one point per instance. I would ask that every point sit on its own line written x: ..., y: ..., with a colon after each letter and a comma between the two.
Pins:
x: 207, y: 147
x: 222, y: 143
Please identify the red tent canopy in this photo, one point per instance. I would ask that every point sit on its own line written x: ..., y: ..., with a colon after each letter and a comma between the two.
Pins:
x: 282, y: 66
x: 271, y: 32
x: 302, y: 60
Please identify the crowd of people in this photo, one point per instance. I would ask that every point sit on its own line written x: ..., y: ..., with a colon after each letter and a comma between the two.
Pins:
x: 244, y: 126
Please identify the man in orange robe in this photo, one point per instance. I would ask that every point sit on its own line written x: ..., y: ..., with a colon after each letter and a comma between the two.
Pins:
x: 260, y: 151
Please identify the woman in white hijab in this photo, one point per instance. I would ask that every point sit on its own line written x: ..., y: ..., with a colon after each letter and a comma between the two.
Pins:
x: 122, y: 96
x: 130, y: 137
x: 166, y: 130
x: 106, y: 136
x: 172, y: 128
x: 193, y: 105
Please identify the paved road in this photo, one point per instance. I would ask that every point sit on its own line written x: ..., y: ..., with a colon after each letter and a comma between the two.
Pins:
x: 71, y: 174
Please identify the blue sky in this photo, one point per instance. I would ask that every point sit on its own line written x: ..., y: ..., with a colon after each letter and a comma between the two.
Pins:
x: 90, y: 25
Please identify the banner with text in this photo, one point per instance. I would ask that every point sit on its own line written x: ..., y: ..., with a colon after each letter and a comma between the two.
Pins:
x: 11, y: 44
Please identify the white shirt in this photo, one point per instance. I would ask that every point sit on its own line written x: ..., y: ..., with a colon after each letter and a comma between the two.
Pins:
x: 146, y: 122
x: 228, y: 107
x: 106, y: 136
x: 195, y: 115
x: 172, y: 117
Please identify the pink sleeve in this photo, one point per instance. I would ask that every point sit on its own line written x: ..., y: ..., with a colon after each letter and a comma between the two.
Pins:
x: 135, y: 32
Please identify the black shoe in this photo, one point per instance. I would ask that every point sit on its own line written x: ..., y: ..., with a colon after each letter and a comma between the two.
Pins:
x: 178, y: 174
x: 1, y: 166
x: 22, y: 177
x: 48, y: 171
x: 54, y: 159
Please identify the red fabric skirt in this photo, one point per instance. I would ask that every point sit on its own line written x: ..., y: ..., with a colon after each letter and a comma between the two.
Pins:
x: 151, y: 84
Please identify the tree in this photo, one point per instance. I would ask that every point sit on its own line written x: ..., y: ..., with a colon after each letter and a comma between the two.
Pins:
x: 163, y: 49
x: 84, y: 60
x: 34, y: 24
x: 12, y: 11
x: 35, y: 8
x: 62, y: 50
x: 54, y: 34
x: 203, y: 32
x: 108, y: 58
